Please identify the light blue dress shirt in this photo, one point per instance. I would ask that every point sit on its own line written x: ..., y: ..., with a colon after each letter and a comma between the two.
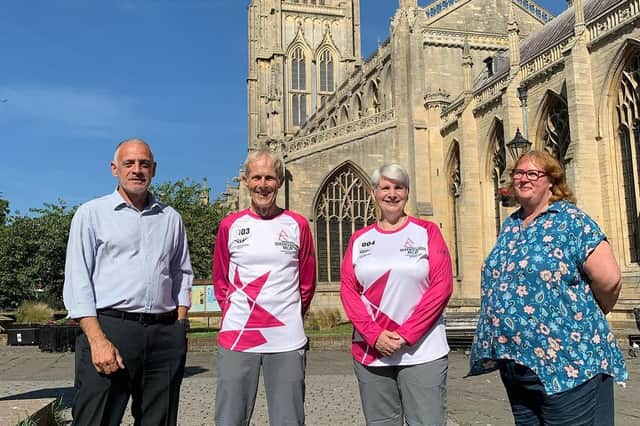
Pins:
x: 121, y: 258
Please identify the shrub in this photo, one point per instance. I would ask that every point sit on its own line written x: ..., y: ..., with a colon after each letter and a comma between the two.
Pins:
x: 34, y: 312
x: 322, y: 319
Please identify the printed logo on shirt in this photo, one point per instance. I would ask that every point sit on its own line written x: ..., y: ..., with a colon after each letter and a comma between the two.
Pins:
x: 242, y: 235
x: 285, y: 245
x: 366, y: 247
x: 409, y: 249
x: 409, y: 243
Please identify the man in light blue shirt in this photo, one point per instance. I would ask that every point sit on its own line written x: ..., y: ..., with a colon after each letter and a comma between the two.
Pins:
x: 128, y: 280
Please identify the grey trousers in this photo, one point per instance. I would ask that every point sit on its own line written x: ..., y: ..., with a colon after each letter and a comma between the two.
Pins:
x: 237, y: 385
x: 416, y: 394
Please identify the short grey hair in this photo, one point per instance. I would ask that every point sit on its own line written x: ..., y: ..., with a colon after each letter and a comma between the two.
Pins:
x: 391, y: 171
x: 136, y: 140
x: 276, y: 160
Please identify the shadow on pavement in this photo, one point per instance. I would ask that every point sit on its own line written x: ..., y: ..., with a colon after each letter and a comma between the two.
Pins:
x: 194, y: 371
x: 65, y: 395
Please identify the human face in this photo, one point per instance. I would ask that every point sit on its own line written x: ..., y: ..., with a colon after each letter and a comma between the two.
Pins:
x: 391, y: 196
x: 134, y: 167
x: 263, y: 184
x: 531, y: 194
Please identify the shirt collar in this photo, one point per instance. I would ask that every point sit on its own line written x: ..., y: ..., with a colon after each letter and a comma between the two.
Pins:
x: 119, y: 203
x: 554, y: 207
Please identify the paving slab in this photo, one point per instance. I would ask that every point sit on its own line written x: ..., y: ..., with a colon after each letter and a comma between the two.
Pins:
x: 332, y: 392
x: 17, y: 410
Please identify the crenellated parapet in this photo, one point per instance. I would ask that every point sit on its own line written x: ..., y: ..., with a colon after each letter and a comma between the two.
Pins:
x: 436, y: 9
x: 487, y: 95
x: 535, y: 9
x: 305, y: 145
x: 451, y: 113
x: 608, y: 23
x: 545, y: 60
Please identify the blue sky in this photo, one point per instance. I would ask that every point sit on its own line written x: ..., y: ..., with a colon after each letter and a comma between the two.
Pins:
x: 78, y: 76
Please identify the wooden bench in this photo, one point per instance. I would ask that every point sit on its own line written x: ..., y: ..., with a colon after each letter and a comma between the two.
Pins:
x: 461, y: 328
x: 212, y: 318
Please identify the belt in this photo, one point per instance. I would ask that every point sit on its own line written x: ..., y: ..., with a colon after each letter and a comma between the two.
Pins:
x: 142, y: 317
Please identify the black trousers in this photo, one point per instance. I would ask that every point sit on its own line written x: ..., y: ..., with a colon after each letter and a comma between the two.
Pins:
x: 154, y: 356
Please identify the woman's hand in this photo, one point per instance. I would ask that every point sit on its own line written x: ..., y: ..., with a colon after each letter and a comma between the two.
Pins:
x: 389, y: 342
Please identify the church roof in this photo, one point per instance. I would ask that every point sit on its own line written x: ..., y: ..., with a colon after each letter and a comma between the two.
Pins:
x: 561, y: 28
x: 557, y: 30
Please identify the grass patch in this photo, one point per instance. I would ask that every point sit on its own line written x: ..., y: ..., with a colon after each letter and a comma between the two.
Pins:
x: 31, y: 312
x: 338, y: 330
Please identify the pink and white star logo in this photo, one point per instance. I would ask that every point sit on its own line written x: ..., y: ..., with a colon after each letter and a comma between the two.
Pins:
x: 373, y: 298
x: 250, y: 335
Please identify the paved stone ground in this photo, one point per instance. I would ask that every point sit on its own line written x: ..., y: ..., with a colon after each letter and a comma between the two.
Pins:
x: 332, y: 392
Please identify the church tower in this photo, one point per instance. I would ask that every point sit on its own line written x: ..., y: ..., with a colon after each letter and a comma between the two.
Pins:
x: 300, y: 52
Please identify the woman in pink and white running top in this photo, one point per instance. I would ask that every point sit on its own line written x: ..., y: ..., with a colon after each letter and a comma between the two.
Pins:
x: 395, y: 284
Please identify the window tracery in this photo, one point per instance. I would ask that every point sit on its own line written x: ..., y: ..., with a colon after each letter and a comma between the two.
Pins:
x: 298, y: 87
x: 345, y: 205
x: 455, y: 190
x: 628, y: 118
x: 499, y: 160
x: 326, y: 72
x: 556, y: 135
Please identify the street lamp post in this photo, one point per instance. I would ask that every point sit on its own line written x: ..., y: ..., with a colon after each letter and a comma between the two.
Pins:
x: 518, y: 145
x: 523, y: 93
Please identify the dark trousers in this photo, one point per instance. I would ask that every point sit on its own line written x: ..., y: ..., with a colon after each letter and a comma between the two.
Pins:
x: 154, y: 356
x: 590, y: 403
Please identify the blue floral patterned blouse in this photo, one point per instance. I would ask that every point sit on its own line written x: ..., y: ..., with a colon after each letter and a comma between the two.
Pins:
x: 537, y: 307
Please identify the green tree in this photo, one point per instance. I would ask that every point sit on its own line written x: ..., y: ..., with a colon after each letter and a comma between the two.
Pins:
x: 32, y: 255
x: 4, y: 210
x: 33, y: 248
x: 200, y: 217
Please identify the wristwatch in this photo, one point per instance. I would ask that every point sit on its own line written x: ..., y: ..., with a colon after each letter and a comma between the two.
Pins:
x: 185, y: 323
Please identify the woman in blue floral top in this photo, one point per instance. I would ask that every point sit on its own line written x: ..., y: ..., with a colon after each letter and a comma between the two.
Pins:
x: 546, y: 288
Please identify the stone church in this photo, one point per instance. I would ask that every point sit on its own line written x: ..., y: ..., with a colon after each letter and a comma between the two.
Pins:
x: 454, y: 92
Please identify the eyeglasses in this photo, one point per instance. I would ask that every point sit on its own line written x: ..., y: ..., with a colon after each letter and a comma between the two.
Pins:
x: 532, y: 175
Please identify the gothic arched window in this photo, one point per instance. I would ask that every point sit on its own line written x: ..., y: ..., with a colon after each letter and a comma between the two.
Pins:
x: 455, y: 190
x: 298, y: 87
x: 344, y: 205
x: 373, y: 100
x: 628, y: 118
x: 326, y: 72
x: 556, y: 135
x: 499, y: 164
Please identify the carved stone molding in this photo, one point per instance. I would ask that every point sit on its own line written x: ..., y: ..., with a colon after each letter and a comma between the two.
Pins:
x: 484, y: 41
x: 614, y: 20
x: 300, y: 143
x: 437, y: 99
x: 546, y: 59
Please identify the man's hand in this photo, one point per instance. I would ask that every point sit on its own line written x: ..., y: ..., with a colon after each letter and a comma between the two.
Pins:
x: 389, y: 342
x: 104, y: 355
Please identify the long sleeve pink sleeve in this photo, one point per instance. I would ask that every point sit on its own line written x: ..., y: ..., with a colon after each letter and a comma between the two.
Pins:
x: 220, y: 271
x: 307, y: 265
x: 434, y: 300
x: 350, y: 292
